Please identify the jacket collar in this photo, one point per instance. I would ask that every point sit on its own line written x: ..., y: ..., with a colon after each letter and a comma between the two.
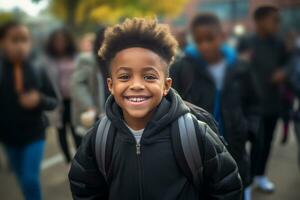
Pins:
x: 169, y: 109
x: 228, y: 53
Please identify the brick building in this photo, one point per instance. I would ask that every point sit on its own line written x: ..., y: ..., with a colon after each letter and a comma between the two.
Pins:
x: 233, y: 12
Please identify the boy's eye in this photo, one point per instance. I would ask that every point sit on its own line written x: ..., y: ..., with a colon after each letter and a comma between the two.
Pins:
x: 150, y: 77
x: 124, y: 77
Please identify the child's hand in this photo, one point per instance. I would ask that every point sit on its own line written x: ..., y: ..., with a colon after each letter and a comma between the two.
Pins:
x: 30, y: 100
x: 87, y: 118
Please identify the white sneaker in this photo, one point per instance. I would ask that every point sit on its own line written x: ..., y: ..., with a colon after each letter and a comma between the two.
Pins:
x: 264, y: 184
x: 247, y: 193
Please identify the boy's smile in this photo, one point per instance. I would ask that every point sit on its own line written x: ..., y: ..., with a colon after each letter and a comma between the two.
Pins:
x: 138, y: 83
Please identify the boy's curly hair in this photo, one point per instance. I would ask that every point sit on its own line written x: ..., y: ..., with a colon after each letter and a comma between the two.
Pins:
x: 206, y: 19
x: 263, y: 11
x: 139, y: 32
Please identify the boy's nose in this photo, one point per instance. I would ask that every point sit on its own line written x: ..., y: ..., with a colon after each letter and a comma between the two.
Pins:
x: 137, y: 84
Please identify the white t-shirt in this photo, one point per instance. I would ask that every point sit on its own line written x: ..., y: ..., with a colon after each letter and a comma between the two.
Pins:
x: 217, y: 72
x: 136, y: 133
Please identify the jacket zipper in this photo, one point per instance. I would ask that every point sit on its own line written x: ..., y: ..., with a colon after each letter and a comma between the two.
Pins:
x: 138, y: 154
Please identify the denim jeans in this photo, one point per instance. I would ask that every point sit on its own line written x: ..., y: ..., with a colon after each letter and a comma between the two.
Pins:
x: 25, y: 162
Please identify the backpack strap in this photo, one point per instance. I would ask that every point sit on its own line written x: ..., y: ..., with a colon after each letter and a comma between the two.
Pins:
x: 101, y: 145
x: 185, y: 142
x: 188, y: 152
x: 190, y: 146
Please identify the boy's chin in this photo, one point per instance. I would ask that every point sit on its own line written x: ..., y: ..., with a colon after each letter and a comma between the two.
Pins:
x: 138, y: 114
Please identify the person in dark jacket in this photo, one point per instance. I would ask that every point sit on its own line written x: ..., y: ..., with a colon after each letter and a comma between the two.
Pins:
x: 268, y: 57
x: 211, y: 77
x: 142, y: 108
x: 25, y: 92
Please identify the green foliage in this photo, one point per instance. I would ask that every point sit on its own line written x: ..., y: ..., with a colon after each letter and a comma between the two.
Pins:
x: 6, y: 16
x: 79, y: 12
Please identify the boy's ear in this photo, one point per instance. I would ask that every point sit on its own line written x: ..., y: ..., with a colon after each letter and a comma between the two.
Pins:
x: 168, y: 85
x: 109, y: 84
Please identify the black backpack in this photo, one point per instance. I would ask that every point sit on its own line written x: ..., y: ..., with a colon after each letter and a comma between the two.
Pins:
x: 187, y: 145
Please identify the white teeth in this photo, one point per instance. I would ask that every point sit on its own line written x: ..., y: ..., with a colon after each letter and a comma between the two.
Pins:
x: 136, y: 99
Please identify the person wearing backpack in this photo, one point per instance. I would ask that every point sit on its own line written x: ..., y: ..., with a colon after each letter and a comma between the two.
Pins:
x: 221, y: 84
x: 149, y: 145
x: 25, y: 93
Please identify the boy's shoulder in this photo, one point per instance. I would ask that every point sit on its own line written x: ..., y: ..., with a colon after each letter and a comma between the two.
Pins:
x: 186, y: 59
x: 183, y: 66
x: 90, y: 136
x: 85, y: 58
x: 202, y: 115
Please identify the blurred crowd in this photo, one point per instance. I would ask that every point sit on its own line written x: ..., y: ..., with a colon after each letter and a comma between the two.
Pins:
x: 247, y: 88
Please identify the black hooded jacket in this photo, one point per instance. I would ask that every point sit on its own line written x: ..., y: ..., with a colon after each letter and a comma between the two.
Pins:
x: 20, y: 126
x: 154, y: 173
x: 239, y: 102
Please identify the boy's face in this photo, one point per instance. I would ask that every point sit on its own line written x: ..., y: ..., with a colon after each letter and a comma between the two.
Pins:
x: 269, y: 24
x: 138, y: 81
x: 17, y: 43
x: 59, y: 43
x: 208, y: 40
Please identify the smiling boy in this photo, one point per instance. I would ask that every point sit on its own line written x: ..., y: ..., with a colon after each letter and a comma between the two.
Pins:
x: 142, y: 108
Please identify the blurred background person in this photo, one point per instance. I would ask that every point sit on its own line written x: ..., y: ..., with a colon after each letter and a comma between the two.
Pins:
x: 286, y: 90
x: 268, y: 57
x: 25, y: 93
x: 60, y: 58
x: 210, y: 76
x: 86, y: 43
x: 181, y: 37
x: 294, y: 81
x: 88, y: 85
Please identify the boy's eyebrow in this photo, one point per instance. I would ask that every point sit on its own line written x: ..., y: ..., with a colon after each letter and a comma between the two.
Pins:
x: 123, y: 68
x: 150, y: 68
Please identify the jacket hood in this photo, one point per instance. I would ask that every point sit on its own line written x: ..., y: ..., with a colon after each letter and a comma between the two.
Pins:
x: 228, y: 52
x: 170, y: 108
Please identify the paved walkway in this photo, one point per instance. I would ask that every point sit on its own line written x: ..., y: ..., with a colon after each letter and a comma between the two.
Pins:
x: 283, y: 171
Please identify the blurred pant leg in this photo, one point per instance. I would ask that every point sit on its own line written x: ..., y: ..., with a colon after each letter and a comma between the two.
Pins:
x: 255, y: 152
x: 30, y: 179
x: 297, y: 133
x: 13, y: 155
x: 26, y: 162
x: 66, y: 117
x: 267, y: 133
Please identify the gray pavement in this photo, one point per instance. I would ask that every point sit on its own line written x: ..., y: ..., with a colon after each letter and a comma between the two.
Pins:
x: 283, y: 170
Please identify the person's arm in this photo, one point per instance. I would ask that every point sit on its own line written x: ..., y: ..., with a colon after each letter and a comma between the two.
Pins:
x: 221, y: 178
x: 250, y: 102
x: 293, y: 74
x: 279, y: 75
x: 86, y: 181
x: 79, y: 84
x: 48, y: 97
